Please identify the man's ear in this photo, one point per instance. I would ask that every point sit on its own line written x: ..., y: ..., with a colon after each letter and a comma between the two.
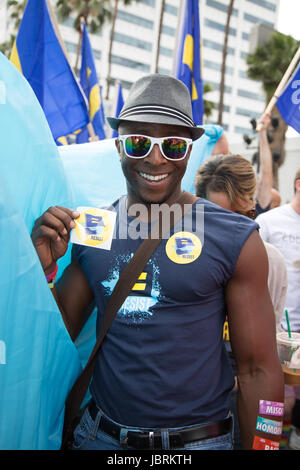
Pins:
x: 118, y: 146
x: 189, y: 152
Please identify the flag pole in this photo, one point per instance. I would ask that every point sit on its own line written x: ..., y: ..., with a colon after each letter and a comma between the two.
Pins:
x: 281, y: 85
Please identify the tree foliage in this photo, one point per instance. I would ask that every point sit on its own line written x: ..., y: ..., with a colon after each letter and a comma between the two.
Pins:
x: 209, y: 106
x: 15, y: 9
x: 94, y: 12
x: 269, y: 62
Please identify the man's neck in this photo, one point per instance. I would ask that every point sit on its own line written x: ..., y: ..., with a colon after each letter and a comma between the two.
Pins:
x: 146, y: 207
x: 295, y: 204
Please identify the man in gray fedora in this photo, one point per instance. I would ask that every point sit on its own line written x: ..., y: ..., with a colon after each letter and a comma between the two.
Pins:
x: 162, y: 379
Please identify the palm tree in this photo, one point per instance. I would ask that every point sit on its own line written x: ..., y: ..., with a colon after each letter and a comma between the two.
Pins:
x: 94, y: 12
x: 209, y: 106
x: 268, y: 64
x: 6, y: 47
x: 15, y: 9
x: 223, y: 68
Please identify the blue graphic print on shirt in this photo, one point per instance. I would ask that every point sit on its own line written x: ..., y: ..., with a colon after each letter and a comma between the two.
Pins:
x: 145, y: 293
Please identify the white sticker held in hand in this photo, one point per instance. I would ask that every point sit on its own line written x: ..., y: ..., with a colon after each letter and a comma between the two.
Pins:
x: 94, y: 227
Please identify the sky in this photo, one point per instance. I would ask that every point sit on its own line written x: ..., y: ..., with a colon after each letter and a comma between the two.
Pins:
x: 289, y: 17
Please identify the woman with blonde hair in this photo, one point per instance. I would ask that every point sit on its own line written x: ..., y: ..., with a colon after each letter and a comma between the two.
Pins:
x: 229, y: 181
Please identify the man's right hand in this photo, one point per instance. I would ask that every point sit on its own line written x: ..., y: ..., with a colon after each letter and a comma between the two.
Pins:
x: 51, y: 234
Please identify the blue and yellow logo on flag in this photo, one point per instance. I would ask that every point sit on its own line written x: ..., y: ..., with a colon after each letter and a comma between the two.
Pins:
x: 188, y: 68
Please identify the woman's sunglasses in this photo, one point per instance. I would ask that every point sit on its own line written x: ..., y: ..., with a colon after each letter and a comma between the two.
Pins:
x: 139, y: 146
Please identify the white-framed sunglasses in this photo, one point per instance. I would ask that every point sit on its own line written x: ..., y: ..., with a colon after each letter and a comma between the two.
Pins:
x: 139, y: 146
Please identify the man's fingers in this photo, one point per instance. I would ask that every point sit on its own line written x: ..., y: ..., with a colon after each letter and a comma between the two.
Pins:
x: 62, y: 227
x: 71, y: 212
x: 51, y: 234
x: 44, y: 231
x: 60, y: 218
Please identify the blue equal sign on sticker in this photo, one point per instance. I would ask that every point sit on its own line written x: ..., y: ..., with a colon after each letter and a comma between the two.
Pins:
x: 94, y: 224
x: 2, y: 92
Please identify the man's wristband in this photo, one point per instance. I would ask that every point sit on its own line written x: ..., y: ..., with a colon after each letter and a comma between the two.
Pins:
x: 51, y: 277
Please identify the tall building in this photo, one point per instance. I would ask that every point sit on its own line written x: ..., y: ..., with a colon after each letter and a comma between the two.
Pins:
x: 134, y: 51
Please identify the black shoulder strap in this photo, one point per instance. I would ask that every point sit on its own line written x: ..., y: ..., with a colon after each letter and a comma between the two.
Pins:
x: 122, y: 289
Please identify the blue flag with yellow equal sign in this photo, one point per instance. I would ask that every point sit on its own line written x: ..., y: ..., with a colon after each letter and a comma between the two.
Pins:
x: 288, y: 102
x: 38, y: 54
x: 90, y: 85
x: 188, y: 62
x: 119, y: 102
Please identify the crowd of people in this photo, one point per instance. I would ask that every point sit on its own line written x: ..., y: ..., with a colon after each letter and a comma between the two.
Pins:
x: 165, y: 377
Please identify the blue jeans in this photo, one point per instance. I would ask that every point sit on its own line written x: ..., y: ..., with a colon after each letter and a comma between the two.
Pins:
x: 87, y: 436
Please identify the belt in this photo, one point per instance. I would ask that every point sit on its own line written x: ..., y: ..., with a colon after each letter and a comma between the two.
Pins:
x: 153, y: 439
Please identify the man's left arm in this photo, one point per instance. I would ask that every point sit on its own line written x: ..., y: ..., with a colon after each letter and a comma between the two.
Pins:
x: 252, y: 329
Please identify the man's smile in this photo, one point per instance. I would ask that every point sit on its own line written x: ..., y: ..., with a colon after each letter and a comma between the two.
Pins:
x: 153, y: 177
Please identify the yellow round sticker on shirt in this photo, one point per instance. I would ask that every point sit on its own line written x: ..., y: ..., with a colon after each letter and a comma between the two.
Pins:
x: 93, y: 227
x: 183, y: 247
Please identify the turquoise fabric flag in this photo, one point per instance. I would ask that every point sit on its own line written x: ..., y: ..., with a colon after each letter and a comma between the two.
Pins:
x: 39, y: 54
x: 38, y: 361
x: 90, y: 85
x: 119, y: 102
x: 188, y: 67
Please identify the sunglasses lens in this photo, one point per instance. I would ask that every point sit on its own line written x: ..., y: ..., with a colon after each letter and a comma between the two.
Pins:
x: 137, y: 146
x: 174, y: 148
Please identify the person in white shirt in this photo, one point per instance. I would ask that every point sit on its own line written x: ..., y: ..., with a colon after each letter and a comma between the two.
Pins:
x: 277, y: 282
x: 281, y: 228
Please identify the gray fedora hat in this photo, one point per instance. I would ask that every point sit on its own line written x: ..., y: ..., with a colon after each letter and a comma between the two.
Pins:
x: 159, y: 99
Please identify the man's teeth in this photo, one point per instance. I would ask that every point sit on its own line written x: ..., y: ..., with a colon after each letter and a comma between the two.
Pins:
x: 153, y: 178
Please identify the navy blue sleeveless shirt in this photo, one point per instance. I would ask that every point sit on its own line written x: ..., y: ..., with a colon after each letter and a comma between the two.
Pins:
x: 163, y: 362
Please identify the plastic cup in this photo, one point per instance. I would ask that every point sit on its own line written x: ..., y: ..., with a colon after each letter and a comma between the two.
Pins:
x: 289, y: 354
